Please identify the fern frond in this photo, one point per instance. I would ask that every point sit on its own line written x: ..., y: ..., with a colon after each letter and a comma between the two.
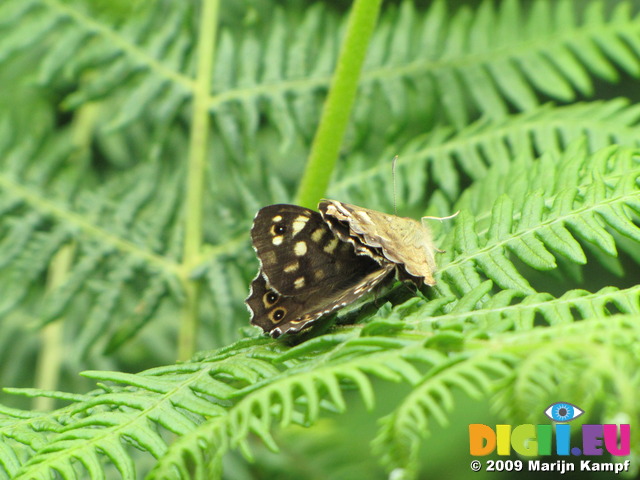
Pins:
x: 484, y: 145
x: 149, y: 55
x: 485, y: 59
x: 301, y: 394
x: 547, y: 195
x: 117, y: 246
x: 509, y: 309
x: 431, y: 399
x: 528, y: 371
x: 537, y: 221
x: 555, y: 360
x: 103, y: 425
x: 118, y: 418
x: 495, y: 56
x: 216, y: 402
x: 238, y: 391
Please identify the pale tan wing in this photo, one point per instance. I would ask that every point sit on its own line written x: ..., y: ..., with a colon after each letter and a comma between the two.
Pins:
x: 401, y: 240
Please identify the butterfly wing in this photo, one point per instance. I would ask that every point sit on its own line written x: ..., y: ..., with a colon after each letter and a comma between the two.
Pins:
x: 403, y: 241
x: 299, y: 253
x: 278, y: 314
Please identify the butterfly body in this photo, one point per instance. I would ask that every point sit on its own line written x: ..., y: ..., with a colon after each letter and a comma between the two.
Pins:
x: 312, y: 263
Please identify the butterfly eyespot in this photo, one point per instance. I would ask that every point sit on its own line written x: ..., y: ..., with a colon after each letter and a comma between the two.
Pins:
x: 271, y: 298
x: 279, y: 229
x: 278, y: 314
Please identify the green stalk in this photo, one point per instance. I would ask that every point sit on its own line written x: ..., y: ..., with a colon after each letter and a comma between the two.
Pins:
x: 51, y: 355
x: 195, y: 177
x: 52, y: 350
x: 339, y: 102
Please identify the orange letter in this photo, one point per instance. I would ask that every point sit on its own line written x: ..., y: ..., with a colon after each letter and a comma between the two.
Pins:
x: 480, y: 434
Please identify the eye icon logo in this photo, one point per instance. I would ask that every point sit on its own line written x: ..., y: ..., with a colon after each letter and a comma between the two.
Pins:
x: 563, y: 412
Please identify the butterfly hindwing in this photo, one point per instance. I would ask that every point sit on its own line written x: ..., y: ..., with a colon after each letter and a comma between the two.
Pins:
x: 277, y: 314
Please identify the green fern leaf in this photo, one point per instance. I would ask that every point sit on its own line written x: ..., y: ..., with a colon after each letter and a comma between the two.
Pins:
x: 602, y: 346
x: 92, y: 169
x: 574, y: 213
x: 399, y: 436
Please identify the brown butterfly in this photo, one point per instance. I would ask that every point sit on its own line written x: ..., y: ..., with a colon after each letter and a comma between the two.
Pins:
x: 314, y: 263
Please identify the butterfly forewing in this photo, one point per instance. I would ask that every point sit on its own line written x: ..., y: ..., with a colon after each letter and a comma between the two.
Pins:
x: 299, y: 253
x: 306, y: 271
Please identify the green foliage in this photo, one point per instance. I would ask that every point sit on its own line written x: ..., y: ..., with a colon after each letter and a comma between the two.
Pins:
x: 129, y: 178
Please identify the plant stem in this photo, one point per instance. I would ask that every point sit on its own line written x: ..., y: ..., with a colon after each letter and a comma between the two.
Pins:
x: 196, y: 176
x: 51, y: 355
x: 337, y: 108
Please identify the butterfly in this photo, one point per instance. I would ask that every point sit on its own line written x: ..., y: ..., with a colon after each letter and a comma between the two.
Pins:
x: 312, y: 263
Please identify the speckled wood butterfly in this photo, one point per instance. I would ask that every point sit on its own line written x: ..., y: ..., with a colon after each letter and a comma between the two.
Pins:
x: 312, y: 263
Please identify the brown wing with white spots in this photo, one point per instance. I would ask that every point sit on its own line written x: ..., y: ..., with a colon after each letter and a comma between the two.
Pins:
x: 278, y: 314
x: 299, y: 253
x: 306, y: 271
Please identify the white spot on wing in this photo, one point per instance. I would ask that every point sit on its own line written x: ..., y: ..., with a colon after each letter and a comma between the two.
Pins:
x: 331, y: 246
x: 292, y: 267
x: 277, y: 240
x: 317, y: 235
x: 298, y: 224
x: 300, y: 249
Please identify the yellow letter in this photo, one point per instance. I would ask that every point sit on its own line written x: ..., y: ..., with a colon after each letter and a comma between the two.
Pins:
x: 504, y: 437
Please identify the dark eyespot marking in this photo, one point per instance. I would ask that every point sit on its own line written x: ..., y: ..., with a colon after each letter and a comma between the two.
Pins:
x: 278, y: 314
x: 271, y: 298
x: 279, y: 229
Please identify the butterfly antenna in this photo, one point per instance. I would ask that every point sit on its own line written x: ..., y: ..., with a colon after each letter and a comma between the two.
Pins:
x: 393, y: 176
x: 449, y: 217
